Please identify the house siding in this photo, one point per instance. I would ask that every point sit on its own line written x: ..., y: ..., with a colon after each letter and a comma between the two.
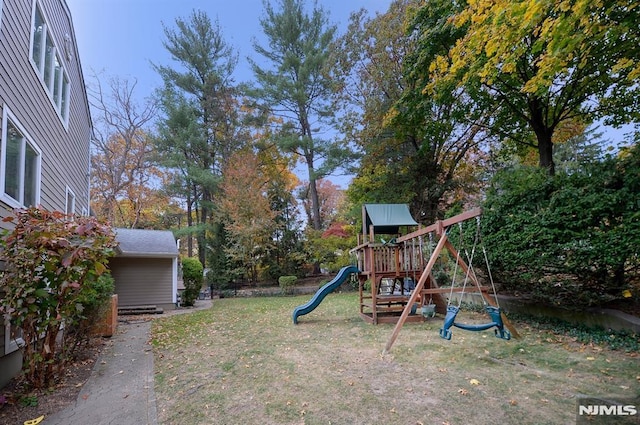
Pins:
x: 64, y: 147
x: 143, y: 281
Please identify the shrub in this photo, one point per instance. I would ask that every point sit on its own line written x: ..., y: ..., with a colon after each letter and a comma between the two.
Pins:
x: 95, y: 298
x: 570, y: 239
x: 53, y: 264
x: 192, y: 274
x: 287, y: 283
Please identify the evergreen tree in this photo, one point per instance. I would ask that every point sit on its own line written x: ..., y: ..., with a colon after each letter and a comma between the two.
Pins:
x: 202, y: 114
x: 294, y: 85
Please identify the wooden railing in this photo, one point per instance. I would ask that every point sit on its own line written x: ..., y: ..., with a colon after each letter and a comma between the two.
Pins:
x: 388, y: 258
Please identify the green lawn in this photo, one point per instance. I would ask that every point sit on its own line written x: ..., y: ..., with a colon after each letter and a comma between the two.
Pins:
x: 244, y: 362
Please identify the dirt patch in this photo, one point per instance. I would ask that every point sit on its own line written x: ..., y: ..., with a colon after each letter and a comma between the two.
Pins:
x: 18, y: 406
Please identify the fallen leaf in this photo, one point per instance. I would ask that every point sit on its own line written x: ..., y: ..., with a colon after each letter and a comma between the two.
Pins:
x: 474, y: 382
x: 463, y: 391
x: 34, y: 421
x: 513, y: 402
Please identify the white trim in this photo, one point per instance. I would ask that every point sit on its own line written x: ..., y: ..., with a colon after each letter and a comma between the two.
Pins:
x: 61, y: 109
x: 174, y: 280
x: 17, y: 203
x: 68, y: 192
x: 1, y: 4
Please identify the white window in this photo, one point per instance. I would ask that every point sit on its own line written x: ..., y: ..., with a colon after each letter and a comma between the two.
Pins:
x: 46, y: 59
x: 70, y: 204
x: 20, y: 160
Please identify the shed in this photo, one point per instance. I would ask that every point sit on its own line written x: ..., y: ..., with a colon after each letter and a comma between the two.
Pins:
x: 145, y: 268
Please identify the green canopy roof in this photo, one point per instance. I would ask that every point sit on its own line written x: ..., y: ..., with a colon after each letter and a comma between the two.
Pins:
x: 387, y: 218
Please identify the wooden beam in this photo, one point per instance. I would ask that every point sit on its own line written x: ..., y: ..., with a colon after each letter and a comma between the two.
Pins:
x: 455, y: 290
x: 441, y: 224
x: 416, y: 292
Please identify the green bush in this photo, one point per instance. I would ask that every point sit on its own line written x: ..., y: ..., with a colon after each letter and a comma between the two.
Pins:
x: 192, y: 275
x: 54, y: 265
x: 570, y: 239
x: 287, y: 283
x: 95, y: 299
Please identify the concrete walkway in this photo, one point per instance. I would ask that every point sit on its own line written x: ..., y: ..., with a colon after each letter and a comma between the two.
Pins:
x: 120, y: 388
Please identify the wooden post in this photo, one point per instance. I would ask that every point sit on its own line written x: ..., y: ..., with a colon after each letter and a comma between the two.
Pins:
x: 364, y: 224
x: 397, y: 260
x: 416, y: 292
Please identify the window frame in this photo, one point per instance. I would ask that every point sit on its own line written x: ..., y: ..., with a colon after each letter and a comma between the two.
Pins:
x: 8, y: 117
x: 1, y: 10
x: 55, y: 80
x: 69, y: 194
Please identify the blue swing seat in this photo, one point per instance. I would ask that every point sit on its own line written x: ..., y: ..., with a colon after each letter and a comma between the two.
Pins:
x: 496, y: 321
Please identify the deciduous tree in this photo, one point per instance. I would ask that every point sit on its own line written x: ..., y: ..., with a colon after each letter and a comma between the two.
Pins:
x: 537, y: 64
x: 246, y: 210
x: 414, y: 145
x: 125, y: 179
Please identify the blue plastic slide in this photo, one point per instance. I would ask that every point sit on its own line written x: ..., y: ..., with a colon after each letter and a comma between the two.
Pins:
x: 326, y: 289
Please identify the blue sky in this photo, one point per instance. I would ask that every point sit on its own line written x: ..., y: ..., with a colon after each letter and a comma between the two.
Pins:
x: 121, y: 38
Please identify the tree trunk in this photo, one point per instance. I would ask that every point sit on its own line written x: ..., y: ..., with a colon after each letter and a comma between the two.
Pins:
x: 315, y: 203
x: 189, y: 225
x: 544, y: 136
x: 545, y: 152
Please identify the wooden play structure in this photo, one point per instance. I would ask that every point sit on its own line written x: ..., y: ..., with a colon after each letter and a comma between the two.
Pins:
x: 396, y: 282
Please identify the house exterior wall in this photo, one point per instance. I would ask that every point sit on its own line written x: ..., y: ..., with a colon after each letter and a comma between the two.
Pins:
x: 144, y: 281
x: 64, y: 142
x: 58, y: 126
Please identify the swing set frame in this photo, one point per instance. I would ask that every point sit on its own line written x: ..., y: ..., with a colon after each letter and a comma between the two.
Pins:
x: 402, y: 259
x: 440, y: 228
